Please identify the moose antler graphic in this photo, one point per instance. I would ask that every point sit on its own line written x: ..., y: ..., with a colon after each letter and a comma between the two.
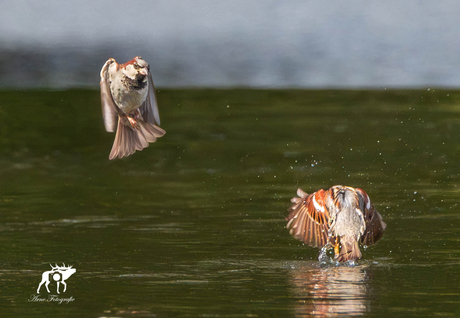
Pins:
x: 66, y: 267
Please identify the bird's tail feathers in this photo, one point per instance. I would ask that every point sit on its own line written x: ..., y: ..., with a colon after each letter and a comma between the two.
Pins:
x: 349, y: 251
x: 128, y: 139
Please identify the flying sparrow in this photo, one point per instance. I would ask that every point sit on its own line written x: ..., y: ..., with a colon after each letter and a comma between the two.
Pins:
x: 128, y: 96
x: 337, y: 218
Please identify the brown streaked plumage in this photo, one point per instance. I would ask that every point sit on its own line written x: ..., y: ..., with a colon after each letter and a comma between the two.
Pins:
x: 340, y: 218
x: 129, y: 105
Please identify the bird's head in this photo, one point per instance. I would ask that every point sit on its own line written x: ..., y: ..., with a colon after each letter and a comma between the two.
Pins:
x: 136, y: 69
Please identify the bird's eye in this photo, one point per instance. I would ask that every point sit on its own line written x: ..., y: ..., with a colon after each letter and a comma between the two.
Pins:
x: 136, y: 66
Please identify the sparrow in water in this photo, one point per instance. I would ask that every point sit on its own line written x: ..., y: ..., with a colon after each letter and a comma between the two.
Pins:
x: 338, y: 218
x: 129, y: 105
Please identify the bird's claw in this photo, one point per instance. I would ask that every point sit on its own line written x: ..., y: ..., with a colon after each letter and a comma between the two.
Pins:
x: 337, y: 249
x: 133, y: 123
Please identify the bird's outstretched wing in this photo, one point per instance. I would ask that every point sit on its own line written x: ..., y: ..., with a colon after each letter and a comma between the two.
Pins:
x: 375, y: 227
x: 309, y: 218
x: 109, y: 109
x: 149, y: 109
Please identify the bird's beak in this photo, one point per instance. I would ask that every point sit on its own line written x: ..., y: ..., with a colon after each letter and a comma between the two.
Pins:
x: 144, y: 71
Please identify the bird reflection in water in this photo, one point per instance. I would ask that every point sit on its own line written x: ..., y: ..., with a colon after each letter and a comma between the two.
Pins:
x: 331, y: 291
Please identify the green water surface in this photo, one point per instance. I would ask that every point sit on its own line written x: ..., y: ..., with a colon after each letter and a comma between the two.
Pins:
x: 193, y: 226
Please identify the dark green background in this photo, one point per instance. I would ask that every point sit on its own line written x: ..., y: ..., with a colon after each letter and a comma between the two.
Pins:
x: 193, y: 226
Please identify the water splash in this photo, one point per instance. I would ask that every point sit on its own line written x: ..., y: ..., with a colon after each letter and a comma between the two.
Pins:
x: 323, y: 258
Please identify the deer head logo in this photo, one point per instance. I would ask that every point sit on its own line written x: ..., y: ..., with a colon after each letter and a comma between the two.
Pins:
x: 57, y: 274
